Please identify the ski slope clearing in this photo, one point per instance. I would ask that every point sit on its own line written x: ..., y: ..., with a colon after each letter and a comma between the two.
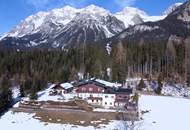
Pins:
x: 165, y: 113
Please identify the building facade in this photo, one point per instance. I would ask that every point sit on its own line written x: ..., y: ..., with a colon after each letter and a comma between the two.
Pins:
x: 98, y: 94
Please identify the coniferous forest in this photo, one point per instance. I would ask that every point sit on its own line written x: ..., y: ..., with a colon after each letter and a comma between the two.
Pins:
x: 32, y: 70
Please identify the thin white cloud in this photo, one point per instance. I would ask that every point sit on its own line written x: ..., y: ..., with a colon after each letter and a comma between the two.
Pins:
x: 76, y: 3
x: 39, y: 3
x: 124, y: 3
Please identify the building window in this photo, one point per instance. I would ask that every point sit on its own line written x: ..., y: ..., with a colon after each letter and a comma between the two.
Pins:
x: 110, y: 103
x: 92, y: 100
x: 112, y: 96
x: 106, y: 96
x: 105, y: 103
x: 83, y: 89
x: 90, y: 89
x: 96, y: 100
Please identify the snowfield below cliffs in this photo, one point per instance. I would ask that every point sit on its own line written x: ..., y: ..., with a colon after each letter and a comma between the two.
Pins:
x: 165, y: 113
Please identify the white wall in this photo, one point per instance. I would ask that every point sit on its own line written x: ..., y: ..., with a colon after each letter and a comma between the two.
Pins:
x: 107, y: 99
x: 99, y: 102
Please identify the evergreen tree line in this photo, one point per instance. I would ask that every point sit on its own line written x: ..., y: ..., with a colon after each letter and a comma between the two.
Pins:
x: 34, y: 69
x: 5, y: 94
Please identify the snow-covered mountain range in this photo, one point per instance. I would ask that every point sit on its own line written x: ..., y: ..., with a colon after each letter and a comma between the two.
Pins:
x: 132, y: 16
x: 63, y: 16
x: 176, y: 24
x: 69, y: 26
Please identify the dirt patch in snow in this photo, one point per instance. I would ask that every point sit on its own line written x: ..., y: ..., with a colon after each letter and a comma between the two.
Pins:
x: 79, y: 118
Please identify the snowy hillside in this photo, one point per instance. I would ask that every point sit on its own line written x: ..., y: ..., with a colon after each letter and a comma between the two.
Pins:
x: 161, y: 113
x: 133, y: 16
x: 62, y: 27
x: 21, y: 121
x: 165, y: 113
x: 172, y: 8
x: 59, y: 18
x: 176, y: 90
x: 63, y: 16
x: 70, y: 27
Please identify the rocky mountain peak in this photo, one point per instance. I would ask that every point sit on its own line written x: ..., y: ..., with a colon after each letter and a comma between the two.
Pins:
x: 171, y: 8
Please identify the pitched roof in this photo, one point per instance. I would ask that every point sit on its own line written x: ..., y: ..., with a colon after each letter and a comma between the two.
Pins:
x: 109, y: 84
x: 66, y: 85
x: 84, y: 82
x: 63, y: 86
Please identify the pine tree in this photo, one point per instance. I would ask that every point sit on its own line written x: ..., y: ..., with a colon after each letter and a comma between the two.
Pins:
x: 135, y: 98
x: 6, y: 94
x: 141, y: 85
x: 33, y: 94
x: 160, y: 85
x: 22, y: 94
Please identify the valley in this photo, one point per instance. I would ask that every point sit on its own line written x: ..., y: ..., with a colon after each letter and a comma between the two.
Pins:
x: 94, y: 66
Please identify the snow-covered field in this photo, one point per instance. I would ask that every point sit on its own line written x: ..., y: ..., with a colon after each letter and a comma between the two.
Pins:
x: 166, y: 113
x: 22, y: 121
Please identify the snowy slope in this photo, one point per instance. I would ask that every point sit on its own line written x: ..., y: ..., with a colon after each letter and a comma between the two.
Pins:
x: 176, y: 90
x: 166, y: 113
x: 37, y: 22
x: 58, y: 18
x: 172, y: 8
x: 62, y: 16
x: 63, y: 27
x: 132, y: 16
x: 21, y: 121
x: 70, y: 27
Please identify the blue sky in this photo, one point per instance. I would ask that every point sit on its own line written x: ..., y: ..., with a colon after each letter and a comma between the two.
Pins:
x: 13, y: 11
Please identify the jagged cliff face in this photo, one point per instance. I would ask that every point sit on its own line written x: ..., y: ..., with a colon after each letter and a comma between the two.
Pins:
x: 177, y: 23
x: 64, y: 27
x: 70, y: 27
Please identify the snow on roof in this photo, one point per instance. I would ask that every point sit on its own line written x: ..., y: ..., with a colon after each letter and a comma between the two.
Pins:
x: 66, y: 85
x: 44, y: 94
x: 133, y: 79
x: 109, y: 84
